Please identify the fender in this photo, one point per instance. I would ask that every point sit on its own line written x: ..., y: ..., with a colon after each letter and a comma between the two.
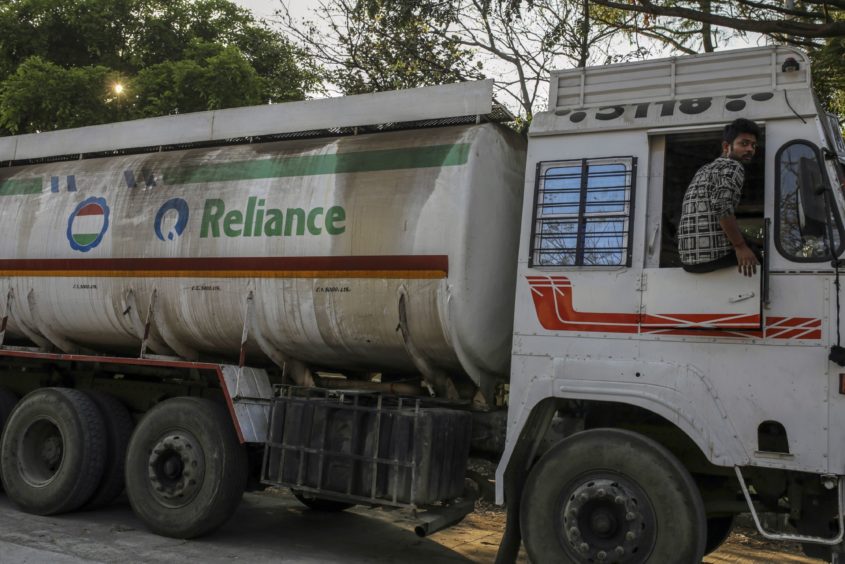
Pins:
x: 680, y: 394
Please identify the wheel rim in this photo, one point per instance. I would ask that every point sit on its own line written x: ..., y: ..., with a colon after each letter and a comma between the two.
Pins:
x: 606, y: 518
x: 40, y: 452
x: 176, y: 468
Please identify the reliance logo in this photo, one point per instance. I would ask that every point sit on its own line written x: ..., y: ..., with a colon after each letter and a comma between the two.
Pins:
x: 258, y: 221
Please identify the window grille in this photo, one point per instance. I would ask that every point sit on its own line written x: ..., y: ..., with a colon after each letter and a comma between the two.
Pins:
x: 582, y: 213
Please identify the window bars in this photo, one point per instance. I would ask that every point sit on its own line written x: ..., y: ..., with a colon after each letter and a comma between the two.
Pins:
x: 583, y: 211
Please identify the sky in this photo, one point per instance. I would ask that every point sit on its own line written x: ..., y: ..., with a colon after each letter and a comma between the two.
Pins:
x: 265, y: 8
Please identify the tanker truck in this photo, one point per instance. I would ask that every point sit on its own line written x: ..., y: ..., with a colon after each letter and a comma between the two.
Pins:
x: 353, y: 297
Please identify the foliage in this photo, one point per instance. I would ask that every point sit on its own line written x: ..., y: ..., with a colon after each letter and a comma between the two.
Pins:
x: 171, y: 55
x: 369, y: 45
x: 686, y: 26
x: 209, y: 77
x: 784, y: 18
x: 41, y: 95
x: 365, y: 47
x: 524, y: 50
x: 829, y: 75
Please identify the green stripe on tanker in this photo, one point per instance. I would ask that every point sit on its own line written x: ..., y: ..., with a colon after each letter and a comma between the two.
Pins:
x: 20, y: 187
x: 312, y: 165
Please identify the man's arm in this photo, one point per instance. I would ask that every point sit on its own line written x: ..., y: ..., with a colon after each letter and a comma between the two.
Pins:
x: 747, y: 262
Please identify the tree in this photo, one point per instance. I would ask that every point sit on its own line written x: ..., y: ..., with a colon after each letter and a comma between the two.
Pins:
x: 818, y: 26
x: 41, y: 95
x: 524, y: 50
x: 693, y: 26
x: 829, y: 74
x: 210, y: 77
x: 792, y: 20
x: 368, y: 48
x: 171, y: 55
x: 377, y: 45
x: 807, y: 19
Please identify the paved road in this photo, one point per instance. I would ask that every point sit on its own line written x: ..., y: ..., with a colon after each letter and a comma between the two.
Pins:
x: 264, y: 529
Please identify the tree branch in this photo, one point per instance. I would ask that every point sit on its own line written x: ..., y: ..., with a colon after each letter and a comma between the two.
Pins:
x: 768, y: 27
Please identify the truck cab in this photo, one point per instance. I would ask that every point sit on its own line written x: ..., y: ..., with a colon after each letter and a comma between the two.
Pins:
x: 684, y: 399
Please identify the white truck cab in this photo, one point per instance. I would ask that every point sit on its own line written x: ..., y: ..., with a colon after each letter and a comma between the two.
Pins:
x: 694, y: 396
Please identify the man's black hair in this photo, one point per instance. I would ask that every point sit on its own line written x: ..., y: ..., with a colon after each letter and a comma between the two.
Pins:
x: 737, y: 126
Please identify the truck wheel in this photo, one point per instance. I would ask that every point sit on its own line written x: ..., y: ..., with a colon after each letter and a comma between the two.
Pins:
x: 321, y: 504
x: 611, y: 495
x: 7, y: 404
x: 718, y: 530
x: 53, y: 451
x: 118, y: 423
x: 185, y: 469
x: 8, y: 400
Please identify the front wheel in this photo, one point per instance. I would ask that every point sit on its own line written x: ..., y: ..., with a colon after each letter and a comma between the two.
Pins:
x: 609, y: 495
x: 185, y: 469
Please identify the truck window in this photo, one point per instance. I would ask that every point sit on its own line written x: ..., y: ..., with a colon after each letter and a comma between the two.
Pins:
x: 801, y: 226
x: 687, y: 152
x: 582, y: 213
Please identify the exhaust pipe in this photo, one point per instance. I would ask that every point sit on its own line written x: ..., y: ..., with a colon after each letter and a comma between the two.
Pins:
x: 439, y: 518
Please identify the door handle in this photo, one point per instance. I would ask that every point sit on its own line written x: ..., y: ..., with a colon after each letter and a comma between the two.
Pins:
x: 741, y: 297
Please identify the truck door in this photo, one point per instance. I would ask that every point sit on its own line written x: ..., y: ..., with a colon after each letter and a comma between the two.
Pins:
x: 725, y: 299
x: 673, y: 299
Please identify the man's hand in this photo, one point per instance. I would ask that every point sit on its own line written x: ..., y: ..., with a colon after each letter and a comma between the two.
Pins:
x: 746, y: 260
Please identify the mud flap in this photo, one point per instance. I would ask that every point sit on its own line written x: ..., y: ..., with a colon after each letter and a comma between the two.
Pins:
x: 516, y: 473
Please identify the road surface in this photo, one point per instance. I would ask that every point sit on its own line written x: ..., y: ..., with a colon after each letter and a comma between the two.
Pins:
x: 272, y: 527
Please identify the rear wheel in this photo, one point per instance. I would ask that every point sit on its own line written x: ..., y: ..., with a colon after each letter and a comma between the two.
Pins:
x: 614, y: 496
x: 185, y: 469
x: 53, y: 451
x: 8, y: 400
x: 118, y: 425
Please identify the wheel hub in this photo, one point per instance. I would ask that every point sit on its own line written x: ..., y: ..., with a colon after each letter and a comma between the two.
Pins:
x: 40, y: 452
x: 607, y: 520
x: 176, y: 468
x: 51, y: 451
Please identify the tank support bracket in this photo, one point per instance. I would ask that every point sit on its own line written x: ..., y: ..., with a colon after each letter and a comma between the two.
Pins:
x: 169, y: 339
x: 42, y: 343
x: 141, y: 328
x: 251, y: 395
x: 296, y: 369
x: 434, y: 377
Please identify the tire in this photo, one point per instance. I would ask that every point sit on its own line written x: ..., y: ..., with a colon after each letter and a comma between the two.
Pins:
x: 321, y: 504
x: 611, y: 491
x: 718, y: 531
x: 118, y: 424
x: 8, y: 400
x: 53, y: 451
x: 185, y: 469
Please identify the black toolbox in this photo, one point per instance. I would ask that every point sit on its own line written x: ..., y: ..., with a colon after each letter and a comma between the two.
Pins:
x: 367, y: 448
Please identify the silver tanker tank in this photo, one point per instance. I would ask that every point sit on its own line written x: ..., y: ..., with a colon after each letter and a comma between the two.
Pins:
x: 391, y: 252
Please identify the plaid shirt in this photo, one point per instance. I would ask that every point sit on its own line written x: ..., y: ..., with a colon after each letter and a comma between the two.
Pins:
x: 713, y: 194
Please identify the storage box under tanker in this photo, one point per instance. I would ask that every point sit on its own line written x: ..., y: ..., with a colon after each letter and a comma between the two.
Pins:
x: 376, y: 252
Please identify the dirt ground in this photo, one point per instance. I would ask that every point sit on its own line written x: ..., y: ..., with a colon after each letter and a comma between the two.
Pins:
x: 477, y: 538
